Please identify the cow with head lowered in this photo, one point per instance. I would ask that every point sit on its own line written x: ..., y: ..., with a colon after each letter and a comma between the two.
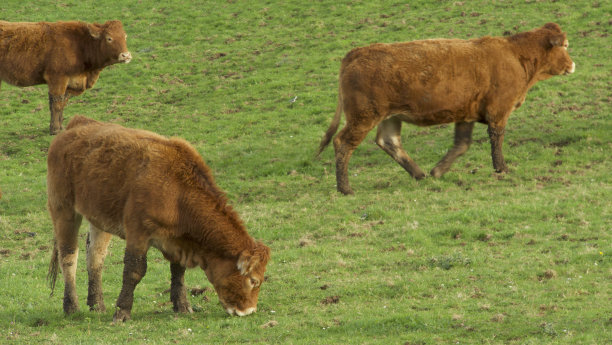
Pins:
x: 152, y: 192
x: 67, y: 56
x: 440, y: 81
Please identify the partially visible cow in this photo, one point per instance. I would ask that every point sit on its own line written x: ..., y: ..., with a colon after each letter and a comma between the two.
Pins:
x: 67, y: 56
x: 440, y: 81
x: 150, y: 191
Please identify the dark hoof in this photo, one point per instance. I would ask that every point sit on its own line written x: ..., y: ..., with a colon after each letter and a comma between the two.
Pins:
x: 99, y: 308
x: 121, y: 315
x: 346, y: 191
x: 183, y: 308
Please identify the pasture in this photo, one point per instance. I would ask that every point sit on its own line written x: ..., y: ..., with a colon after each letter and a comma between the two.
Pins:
x: 471, y: 258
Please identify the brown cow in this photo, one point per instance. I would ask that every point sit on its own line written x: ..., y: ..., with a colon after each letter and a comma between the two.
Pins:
x: 67, y: 56
x: 440, y: 81
x: 150, y: 191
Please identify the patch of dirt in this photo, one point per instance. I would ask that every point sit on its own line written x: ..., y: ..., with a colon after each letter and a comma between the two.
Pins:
x: 5, y: 252
x: 498, y: 318
x: 198, y: 291
x: 548, y: 274
x: 330, y: 300
x: 40, y: 322
x: 269, y: 324
x: 401, y: 247
x: 324, y: 287
x: 217, y: 56
x: 305, y: 242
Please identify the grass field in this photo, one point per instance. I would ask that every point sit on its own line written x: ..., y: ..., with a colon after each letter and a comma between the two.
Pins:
x: 471, y: 258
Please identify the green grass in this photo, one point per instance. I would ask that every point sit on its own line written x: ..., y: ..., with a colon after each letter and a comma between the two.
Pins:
x: 471, y: 258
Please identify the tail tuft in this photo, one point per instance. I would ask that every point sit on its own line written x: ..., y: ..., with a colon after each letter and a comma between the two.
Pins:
x: 333, y: 127
x: 53, y: 268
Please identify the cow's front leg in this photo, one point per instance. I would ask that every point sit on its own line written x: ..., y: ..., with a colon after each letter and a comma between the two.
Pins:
x: 461, y: 143
x: 178, y: 292
x: 496, y: 135
x: 135, y: 267
x: 57, y: 101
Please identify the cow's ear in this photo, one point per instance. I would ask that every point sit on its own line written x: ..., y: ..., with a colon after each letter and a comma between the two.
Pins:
x: 552, y: 26
x: 556, y: 40
x: 247, y: 262
x: 94, y: 30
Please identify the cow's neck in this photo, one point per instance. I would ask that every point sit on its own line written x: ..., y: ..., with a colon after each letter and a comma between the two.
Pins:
x: 529, y: 56
x: 217, y: 226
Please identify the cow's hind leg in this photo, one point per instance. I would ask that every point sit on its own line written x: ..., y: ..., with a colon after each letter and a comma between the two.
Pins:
x: 345, y: 143
x: 462, y: 141
x: 178, y: 292
x: 66, y: 224
x: 388, y: 137
x: 97, y: 243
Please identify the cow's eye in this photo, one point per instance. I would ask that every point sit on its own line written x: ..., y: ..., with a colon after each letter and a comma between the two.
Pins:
x: 254, y: 282
x: 109, y: 39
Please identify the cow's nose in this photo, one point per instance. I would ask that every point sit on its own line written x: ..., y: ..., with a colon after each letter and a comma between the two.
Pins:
x: 246, y: 312
x: 573, y: 67
x: 126, y: 57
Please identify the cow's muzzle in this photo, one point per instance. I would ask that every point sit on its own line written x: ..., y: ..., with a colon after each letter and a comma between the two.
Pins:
x: 571, y: 69
x: 125, y: 57
x: 234, y: 311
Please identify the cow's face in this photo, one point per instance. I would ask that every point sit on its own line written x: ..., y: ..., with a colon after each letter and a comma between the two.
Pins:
x: 557, y: 59
x: 238, y: 283
x: 112, y: 41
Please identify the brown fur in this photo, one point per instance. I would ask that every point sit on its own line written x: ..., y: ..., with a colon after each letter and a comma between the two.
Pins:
x: 67, y: 56
x: 150, y: 191
x: 440, y: 81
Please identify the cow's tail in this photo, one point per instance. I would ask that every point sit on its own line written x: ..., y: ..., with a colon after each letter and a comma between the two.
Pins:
x: 333, y: 127
x: 53, y: 267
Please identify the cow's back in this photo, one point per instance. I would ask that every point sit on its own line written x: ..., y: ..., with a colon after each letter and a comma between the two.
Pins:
x: 99, y: 167
x: 23, y: 47
x: 438, y: 76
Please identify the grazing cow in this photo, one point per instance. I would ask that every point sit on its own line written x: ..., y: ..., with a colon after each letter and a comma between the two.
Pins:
x: 67, y: 56
x: 440, y: 81
x: 150, y: 191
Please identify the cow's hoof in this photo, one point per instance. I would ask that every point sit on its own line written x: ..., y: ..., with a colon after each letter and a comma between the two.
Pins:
x: 121, y: 315
x: 502, y: 170
x: 98, y: 308
x: 71, y: 309
x: 436, y: 172
x: 346, y: 191
x: 183, y: 308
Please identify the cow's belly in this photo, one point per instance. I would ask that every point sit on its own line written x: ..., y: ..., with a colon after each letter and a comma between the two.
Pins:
x: 107, y: 226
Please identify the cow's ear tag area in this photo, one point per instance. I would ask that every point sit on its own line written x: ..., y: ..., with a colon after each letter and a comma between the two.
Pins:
x: 94, y: 30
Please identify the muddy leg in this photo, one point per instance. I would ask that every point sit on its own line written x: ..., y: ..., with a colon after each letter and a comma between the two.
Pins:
x: 178, y: 292
x: 135, y: 267
x: 388, y: 138
x: 66, y: 224
x: 345, y: 143
x: 97, y: 243
x: 463, y: 139
x: 496, y: 134
x: 56, y: 105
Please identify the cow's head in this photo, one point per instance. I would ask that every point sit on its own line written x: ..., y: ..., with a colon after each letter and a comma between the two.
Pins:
x: 237, y: 282
x: 112, y: 41
x: 557, y: 60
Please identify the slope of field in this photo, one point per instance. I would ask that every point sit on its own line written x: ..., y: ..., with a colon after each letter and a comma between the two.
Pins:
x: 471, y: 258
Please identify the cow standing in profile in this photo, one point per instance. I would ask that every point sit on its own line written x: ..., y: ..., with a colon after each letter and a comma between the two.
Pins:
x: 440, y: 81
x: 67, y: 56
x: 152, y: 192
